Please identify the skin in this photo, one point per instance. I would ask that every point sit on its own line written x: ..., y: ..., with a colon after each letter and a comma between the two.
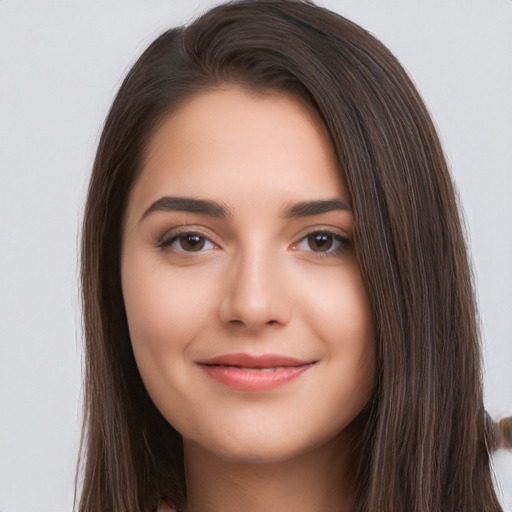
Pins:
x: 256, y: 282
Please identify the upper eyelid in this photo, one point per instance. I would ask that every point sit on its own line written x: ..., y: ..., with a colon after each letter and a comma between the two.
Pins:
x: 174, y: 233
x: 332, y: 230
x: 338, y: 236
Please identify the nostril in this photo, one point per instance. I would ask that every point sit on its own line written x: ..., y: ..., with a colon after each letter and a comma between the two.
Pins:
x: 237, y: 322
x: 253, y: 303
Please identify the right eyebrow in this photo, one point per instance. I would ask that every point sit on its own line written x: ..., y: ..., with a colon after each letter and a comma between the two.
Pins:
x: 188, y: 204
x: 309, y: 208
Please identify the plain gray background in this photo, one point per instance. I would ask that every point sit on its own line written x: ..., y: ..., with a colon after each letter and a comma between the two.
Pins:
x: 61, y: 63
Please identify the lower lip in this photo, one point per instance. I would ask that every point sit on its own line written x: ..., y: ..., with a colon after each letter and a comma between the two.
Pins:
x: 247, y: 379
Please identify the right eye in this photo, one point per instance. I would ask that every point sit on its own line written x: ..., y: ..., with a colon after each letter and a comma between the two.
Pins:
x: 188, y: 242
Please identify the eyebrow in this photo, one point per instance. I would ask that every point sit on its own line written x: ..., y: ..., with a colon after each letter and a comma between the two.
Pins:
x: 307, y: 208
x: 218, y: 210
x: 188, y: 204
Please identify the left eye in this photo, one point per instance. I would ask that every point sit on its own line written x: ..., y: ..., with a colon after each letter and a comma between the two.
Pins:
x: 322, y: 242
x: 189, y: 242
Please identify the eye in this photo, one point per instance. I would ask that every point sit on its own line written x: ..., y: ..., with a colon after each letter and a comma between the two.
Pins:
x: 187, y: 242
x: 323, y: 243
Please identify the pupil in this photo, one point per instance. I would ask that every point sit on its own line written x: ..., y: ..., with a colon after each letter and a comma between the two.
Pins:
x: 320, y: 242
x: 192, y: 243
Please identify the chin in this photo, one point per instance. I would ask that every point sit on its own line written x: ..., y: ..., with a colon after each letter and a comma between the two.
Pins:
x: 259, y: 443
x: 251, y: 452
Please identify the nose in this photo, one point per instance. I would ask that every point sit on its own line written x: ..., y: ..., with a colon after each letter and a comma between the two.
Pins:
x: 255, y: 296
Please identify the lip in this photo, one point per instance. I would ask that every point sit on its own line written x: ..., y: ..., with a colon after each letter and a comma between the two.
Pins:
x: 246, y: 372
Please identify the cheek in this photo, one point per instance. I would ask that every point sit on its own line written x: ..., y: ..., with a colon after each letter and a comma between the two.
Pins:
x: 162, y: 311
x: 340, y: 314
x: 165, y: 314
x: 340, y: 309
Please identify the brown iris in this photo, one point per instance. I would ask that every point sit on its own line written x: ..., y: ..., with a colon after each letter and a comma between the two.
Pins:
x: 320, y: 242
x: 191, y: 242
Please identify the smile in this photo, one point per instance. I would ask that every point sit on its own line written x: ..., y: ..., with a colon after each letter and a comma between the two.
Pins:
x: 245, y: 372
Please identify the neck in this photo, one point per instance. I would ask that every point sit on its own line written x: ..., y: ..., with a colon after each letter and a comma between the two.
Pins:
x: 312, y: 482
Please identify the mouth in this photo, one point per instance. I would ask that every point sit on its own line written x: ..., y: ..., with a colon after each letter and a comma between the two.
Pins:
x: 246, y: 372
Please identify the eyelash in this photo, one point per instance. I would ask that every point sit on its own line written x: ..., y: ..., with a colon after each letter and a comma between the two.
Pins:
x: 171, y: 237
x: 336, y: 238
x: 343, y: 242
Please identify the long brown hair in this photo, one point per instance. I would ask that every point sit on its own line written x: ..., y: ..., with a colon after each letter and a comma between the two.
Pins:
x: 421, y: 443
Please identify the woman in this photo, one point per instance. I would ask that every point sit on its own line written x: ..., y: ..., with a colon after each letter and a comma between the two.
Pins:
x: 278, y: 306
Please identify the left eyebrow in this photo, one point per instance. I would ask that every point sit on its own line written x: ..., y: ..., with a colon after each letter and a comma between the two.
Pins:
x: 188, y: 204
x: 307, y: 208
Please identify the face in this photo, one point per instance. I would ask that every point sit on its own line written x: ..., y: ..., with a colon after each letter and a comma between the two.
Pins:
x: 246, y: 309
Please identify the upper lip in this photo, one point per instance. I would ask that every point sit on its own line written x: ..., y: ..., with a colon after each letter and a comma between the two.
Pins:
x: 243, y: 360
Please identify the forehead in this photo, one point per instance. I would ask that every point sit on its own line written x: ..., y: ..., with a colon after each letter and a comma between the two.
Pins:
x: 233, y: 140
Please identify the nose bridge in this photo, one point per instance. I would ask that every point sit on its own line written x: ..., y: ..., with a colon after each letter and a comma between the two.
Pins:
x: 255, y: 296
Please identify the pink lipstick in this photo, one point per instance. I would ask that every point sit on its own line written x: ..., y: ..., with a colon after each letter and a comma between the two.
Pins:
x: 246, y: 372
